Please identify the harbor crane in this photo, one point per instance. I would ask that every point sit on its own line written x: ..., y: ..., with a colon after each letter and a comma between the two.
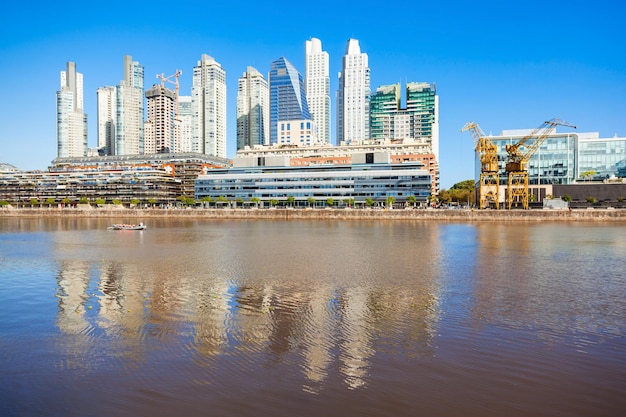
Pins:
x: 169, y: 79
x: 487, y: 151
x: 518, y: 158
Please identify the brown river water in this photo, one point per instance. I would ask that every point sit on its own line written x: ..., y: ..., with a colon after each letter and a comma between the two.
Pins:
x: 312, y: 318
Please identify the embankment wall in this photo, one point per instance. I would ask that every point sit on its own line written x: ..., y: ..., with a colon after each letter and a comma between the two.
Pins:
x: 330, y: 214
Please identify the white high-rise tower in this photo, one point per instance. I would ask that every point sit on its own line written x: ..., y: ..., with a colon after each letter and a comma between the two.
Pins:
x: 71, y: 119
x: 129, y: 135
x: 253, y: 110
x: 353, y: 96
x: 107, y: 119
x: 317, y: 87
x: 209, y: 108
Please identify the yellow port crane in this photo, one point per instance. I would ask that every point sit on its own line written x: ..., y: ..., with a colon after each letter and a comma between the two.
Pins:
x: 517, y: 161
x: 489, y: 183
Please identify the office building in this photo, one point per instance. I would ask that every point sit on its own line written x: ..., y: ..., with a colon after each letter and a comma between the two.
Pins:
x: 418, y: 120
x: 317, y: 87
x: 162, y: 128
x: 208, y: 100
x: 253, y: 110
x: 71, y: 118
x: 129, y: 134
x: 564, y: 158
x: 287, y: 97
x: 370, y: 178
x: 353, y: 96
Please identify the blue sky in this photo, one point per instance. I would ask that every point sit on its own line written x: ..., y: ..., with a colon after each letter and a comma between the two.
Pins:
x: 504, y: 65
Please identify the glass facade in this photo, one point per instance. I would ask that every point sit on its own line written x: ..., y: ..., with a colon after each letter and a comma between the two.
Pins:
x: 606, y: 158
x: 562, y: 158
x: 359, y: 182
x: 287, y: 96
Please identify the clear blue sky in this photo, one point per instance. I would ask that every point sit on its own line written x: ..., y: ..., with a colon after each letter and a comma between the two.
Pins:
x: 504, y: 65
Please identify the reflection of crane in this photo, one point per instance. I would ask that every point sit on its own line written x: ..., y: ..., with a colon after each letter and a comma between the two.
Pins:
x: 517, y: 161
x: 168, y: 79
x: 489, y: 186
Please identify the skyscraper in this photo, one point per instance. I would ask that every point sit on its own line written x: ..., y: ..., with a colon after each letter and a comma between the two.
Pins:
x: 161, y: 128
x: 185, y: 113
x: 287, y: 97
x: 209, y: 107
x: 317, y: 84
x: 71, y: 119
x: 107, y: 116
x: 129, y: 135
x: 253, y: 110
x: 419, y: 120
x: 353, y: 96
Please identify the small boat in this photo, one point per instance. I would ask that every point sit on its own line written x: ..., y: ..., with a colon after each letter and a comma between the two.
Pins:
x: 139, y: 226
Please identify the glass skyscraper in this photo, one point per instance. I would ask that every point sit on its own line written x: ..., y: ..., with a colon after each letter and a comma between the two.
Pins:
x: 287, y: 96
x: 419, y: 120
x: 129, y: 134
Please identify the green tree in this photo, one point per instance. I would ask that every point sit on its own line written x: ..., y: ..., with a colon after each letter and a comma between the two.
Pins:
x: 588, y: 175
x: 290, y: 200
x: 50, y: 201
x: 4, y: 203
x: 567, y: 198
x: 330, y: 202
x: 83, y: 200
x: 390, y: 200
x: 256, y: 200
x: 311, y: 201
x: 117, y: 201
x: 135, y: 202
x: 152, y: 201
x: 349, y: 202
x: 274, y: 202
x: 206, y: 201
x: 34, y: 201
x: 411, y: 199
x: 369, y: 202
x: 100, y: 201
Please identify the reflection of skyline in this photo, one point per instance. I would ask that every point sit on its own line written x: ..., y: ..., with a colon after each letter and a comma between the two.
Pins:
x: 332, y: 319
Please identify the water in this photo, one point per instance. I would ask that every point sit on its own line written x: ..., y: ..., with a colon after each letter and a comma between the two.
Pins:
x: 311, y: 318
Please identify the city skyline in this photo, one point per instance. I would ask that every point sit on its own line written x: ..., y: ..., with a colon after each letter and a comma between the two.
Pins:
x: 542, y: 63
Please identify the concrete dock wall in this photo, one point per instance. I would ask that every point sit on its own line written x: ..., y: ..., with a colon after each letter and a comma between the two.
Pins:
x: 330, y: 214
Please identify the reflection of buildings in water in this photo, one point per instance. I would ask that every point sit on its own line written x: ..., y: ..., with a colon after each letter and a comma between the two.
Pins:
x: 319, y: 334
x: 356, y: 341
x: 72, y: 281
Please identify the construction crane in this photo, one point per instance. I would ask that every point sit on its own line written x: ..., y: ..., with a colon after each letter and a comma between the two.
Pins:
x: 169, y: 79
x: 489, y: 184
x: 517, y: 161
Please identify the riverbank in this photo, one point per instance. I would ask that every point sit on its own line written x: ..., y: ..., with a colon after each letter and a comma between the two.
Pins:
x: 330, y: 214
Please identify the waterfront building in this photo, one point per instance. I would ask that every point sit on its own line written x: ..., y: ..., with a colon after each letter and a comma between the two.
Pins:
x: 288, y: 100
x: 400, y: 151
x: 419, y: 119
x: 54, y: 188
x: 370, y: 178
x: 71, y: 118
x: 317, y: 87
x: 209, y: 108
x: 129, y: 134
x: 564, y: 158
x: 162, y: 128
x: 185, y: 116
x: 107, y: 116
x: 353, y: 96
x: 253, y: 110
